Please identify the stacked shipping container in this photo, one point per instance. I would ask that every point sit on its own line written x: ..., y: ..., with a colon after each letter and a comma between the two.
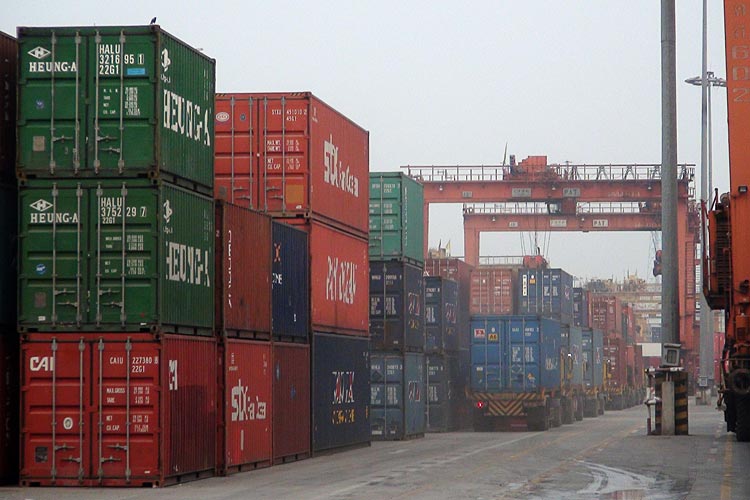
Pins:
x: 295, y: 158
x: 397, y: 307
x: 8, y: 224
x: 451, y: 376
x: 116, y: 245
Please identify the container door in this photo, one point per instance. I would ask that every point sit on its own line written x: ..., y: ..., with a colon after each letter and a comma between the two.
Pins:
x: 524, y: 367
x: 247, y: 401
x: 414, y: 385
x: 283, y: 145
x: 291, y: 401
x: 53, y: 244
x: 52, y: 127
x: 127, y: 431
x: 54, y: 419
x: 122, y: 103
x: 488, y: 352
x: 386, y: 213
x: 235, y: 178
x: 123, y: 228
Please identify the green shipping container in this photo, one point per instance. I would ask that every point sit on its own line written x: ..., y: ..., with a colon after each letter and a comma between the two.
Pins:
x: 133, y: 255
x: 8, y: 263
x: 396, y: 217
x: 114, y: 102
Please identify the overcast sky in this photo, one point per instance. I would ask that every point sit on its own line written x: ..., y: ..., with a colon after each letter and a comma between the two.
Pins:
x: 439, y: 82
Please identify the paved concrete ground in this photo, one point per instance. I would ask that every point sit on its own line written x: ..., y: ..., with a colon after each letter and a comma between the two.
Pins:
x: 609, y: 457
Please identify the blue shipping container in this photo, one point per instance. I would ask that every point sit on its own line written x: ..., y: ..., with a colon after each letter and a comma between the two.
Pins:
x: 592, y: 342
x: 340, y: 391
x: 573, y: 355
x: 397, y: 395
x: 581, y: 306
x: 443, y: 381
x: 441, y: 310
x: 515, y: 353
x: 291, y: 290
x: 545, y: 292
x: 396, y: 306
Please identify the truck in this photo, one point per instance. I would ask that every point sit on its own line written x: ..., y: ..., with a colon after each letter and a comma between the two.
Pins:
x: 726, y: 258
x: 526, y: 373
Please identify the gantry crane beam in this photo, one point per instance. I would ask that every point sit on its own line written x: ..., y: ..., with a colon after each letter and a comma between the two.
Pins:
x: 500, y: 222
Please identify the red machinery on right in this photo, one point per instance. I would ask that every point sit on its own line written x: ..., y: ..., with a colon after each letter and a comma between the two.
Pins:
x: 727, y: 263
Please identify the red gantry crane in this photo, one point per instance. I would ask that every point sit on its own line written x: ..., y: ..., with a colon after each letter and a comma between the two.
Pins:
x: 536, y: 196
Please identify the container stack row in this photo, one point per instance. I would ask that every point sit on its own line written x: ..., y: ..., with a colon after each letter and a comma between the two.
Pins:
x: 116, y: 277
x: 305, y: 166
x: 625, y: 383
x: 165, y: 335
x: 397, y: 307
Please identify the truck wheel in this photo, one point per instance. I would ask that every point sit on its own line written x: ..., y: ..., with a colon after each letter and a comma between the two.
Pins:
x: 568, y: 409
x: 578, y: 408
x: 537, y: 418
x: 743, y: 418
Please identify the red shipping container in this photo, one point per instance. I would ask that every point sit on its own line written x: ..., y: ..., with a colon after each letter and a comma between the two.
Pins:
x: 291, y: 153
x: 615, y: 360
x: 243, y: 272
x: 245, y: 414
x: 606, y: 313
x: 640, y: 377
x: 9, y: 382
x: 492, y: 290
x: 110, y: 409
x: 291, y: 402
x: 339, y: 279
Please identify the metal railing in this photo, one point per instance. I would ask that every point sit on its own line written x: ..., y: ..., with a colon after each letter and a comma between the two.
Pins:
x: 566, y: 172
x: 553, y: 208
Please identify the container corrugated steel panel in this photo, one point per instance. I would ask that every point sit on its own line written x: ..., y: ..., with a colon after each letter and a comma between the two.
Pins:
x: 397, y: 395
x: 8, y: 254
x: 75, y: 273
x: 105, y: 409
x: 441, y: 311
x: 292, y: 154
x: 460, y: 272
x: 547, y: 292
x: 573, y: 351
x: 593, y: 358
x: 340, y: 391
x: 606, y: 313
x: 243, y: 272
x: 246, y: 410
x: 396, y: 217
x: 615, y: 361
x: 581, y: 307
x: 290, y: 269
x: 338, y: 279
x: 492, y: 291
x: 8, y: 88
x: 113, y: 102
x: 9, y: 387
x: 443, y: 396
x: 396, y: 306
x: 515, y: 353
x: 291, y: 402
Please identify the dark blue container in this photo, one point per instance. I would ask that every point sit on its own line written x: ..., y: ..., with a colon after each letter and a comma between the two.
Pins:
x: 592, y: 346
x: 340, y: 391
x: 398, y: 395
x: 441, y: 314
x: 572, y: 355
x: 581, y: 306
x: 443, y: 397
x: 545, y: 292
x: 8, y: 252
x: 291, y: 289
x: 396, y: 307
x: 515, y: 353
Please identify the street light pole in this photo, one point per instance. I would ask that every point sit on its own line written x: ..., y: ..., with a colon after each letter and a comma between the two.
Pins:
x: 706, y: 332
